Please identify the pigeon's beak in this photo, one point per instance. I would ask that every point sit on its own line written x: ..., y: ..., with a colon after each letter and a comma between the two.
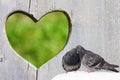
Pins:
x: 78, y: 47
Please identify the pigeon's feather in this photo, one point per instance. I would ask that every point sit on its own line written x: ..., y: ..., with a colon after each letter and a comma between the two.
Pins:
x: 110, y: 67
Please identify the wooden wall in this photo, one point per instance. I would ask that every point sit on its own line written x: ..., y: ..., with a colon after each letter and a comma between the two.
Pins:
x: 95, y: 24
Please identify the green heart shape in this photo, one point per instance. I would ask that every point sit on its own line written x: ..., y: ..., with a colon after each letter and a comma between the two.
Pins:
x: 38, y: 41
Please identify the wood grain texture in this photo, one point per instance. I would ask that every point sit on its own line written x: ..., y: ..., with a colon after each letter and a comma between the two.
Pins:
x: 95, y: 25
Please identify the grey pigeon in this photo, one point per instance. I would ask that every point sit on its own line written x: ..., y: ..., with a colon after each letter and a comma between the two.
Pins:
x: 94, y: 61
x: 71, y: 60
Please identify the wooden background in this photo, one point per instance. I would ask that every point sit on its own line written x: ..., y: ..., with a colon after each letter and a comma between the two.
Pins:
x: 95, y: 24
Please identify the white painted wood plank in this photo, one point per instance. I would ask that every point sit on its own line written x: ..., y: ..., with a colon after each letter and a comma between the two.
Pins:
x: 112, y: 31
x: 13, y: 67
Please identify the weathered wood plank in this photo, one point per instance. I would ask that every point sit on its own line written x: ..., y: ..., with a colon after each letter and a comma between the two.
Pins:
x: 13, y: 67
x: 112, y: 31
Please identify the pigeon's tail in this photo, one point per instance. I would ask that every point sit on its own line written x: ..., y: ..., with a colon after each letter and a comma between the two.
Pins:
x: 110, y: 67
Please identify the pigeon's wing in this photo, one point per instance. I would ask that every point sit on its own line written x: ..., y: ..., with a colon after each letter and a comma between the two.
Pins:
x: 92, y: 60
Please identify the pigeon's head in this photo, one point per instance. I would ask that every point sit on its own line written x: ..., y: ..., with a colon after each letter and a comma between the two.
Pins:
x: 73, y: 52
x: 72, y: 57
x: 80, y: 49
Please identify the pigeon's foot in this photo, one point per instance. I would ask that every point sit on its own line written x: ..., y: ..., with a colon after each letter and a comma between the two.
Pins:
x: 89, y: 71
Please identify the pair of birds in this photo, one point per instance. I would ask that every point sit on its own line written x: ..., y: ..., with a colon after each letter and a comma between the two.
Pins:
x: 72, y: 60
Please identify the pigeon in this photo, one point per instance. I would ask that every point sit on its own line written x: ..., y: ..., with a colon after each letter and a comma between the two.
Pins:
x: 94, y: 61
x: 71, y: 60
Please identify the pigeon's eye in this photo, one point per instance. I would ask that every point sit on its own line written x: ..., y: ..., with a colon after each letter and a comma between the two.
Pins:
x: 77, y: 51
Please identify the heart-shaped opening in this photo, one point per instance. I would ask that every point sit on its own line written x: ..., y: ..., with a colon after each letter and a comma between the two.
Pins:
x: 38, y: 41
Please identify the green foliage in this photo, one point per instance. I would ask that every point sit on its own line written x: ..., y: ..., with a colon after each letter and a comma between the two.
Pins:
x: 37, y: 42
